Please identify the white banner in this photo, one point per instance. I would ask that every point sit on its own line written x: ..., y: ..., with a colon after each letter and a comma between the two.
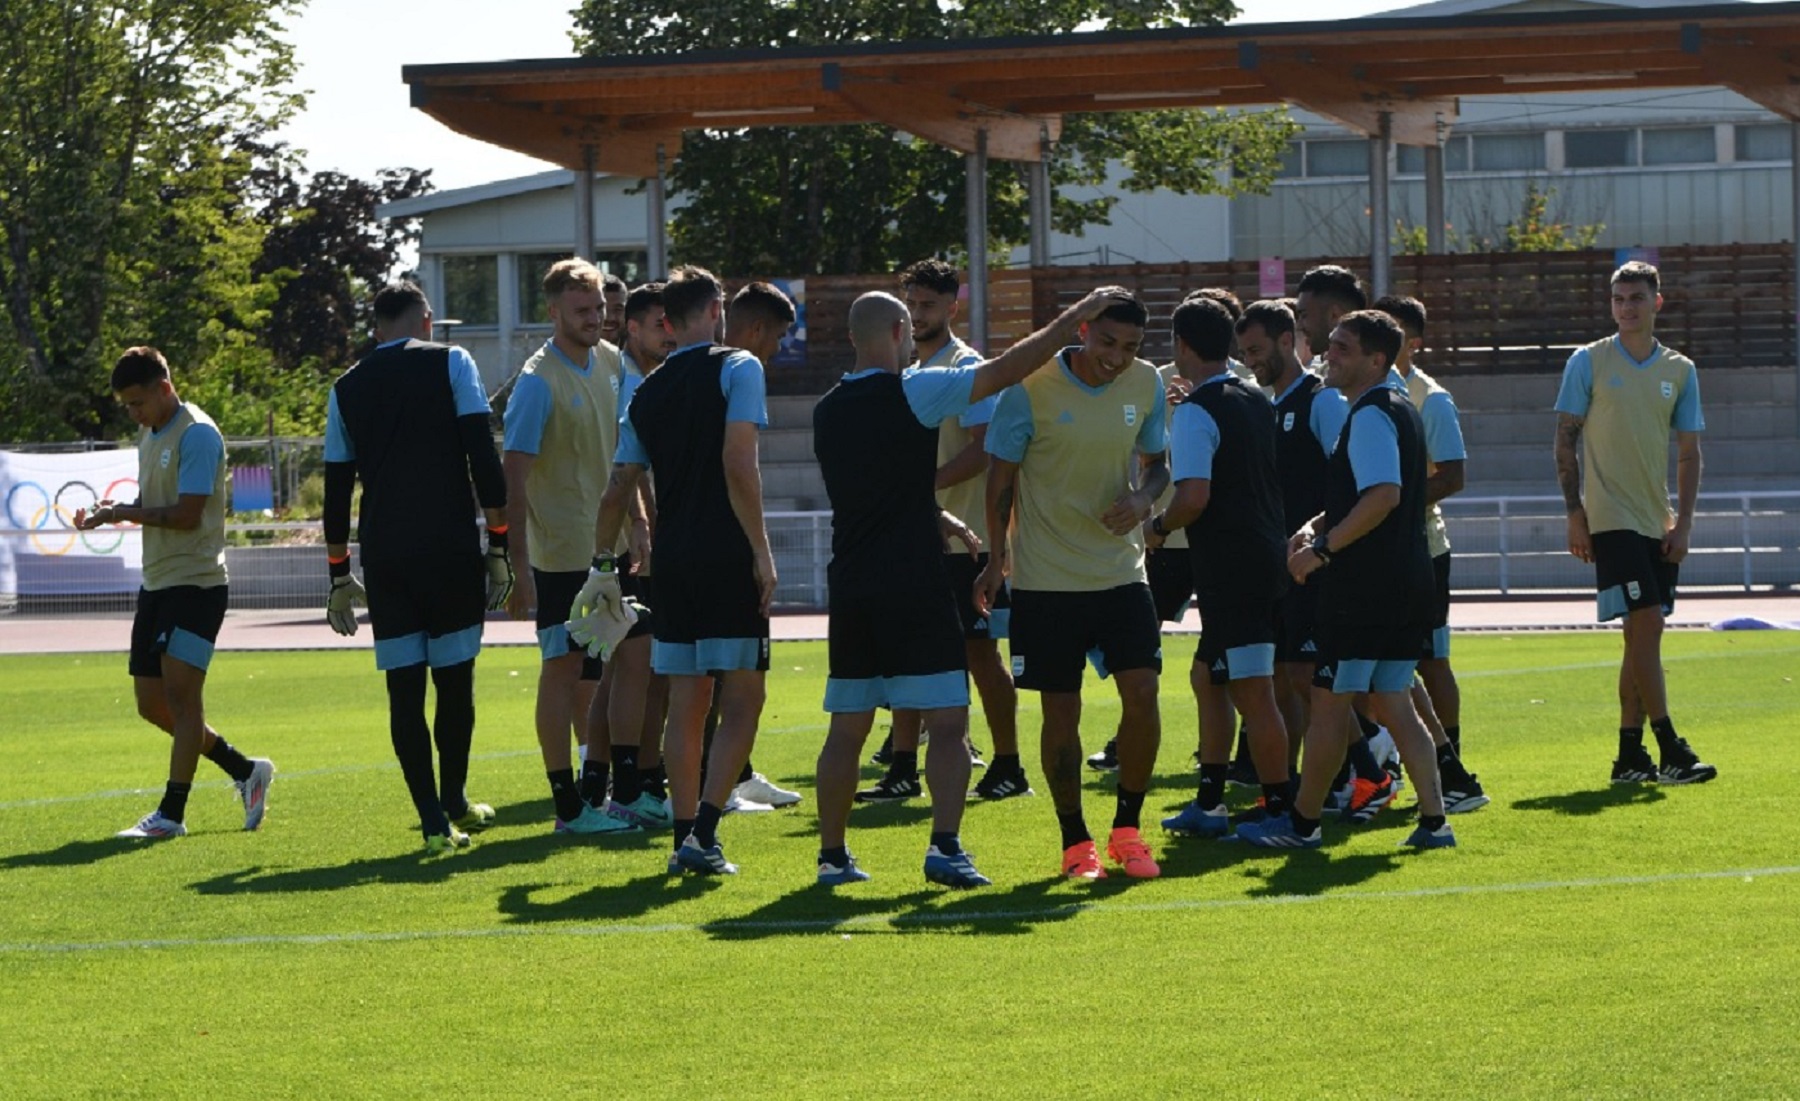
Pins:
x: 41, y: 553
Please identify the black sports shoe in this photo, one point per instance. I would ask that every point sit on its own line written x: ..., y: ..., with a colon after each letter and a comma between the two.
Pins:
x: 1463, y: 794
x: 1003, y: 783
x: 1107, y: 760
x: 885, y: 755
x: 891, y: 789
x: 1680, y: 765
x: 1635, y: 767
x: 1242, y: 774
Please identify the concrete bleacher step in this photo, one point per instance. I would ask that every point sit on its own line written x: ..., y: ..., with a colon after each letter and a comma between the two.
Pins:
x: 1719, y: 386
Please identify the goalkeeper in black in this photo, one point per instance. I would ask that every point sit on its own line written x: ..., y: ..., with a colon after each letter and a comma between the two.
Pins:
x: 410, y: 419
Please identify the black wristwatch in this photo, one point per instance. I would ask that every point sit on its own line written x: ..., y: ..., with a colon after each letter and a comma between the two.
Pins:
x: 1156, y: 526
x: 606, y: 563
x: 1319, y: 548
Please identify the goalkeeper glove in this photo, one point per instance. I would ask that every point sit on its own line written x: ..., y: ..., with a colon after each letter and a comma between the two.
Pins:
x: 600, y: 631
x: 340, y: 610
x: 600, y: 593
x: 499, y: 569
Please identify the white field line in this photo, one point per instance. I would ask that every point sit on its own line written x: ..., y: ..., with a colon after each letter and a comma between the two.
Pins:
x: 917, y: 919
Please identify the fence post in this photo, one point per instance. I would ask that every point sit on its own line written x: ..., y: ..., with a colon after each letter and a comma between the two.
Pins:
x: 1505, y: 565
x: 1744, y: 538
x: 821, y: 551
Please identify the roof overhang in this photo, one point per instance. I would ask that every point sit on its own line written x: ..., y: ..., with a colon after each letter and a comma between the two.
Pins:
x: 1413, y: 70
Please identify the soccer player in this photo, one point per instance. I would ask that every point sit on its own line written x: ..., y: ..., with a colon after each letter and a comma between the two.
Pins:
x: 1444, y: 456
x: 1326, y: 293
x: 614, y: 293
x: 1366, y: 551
x: 1308, y: 418
x: 181, y: 507
x: 897, y: 639
x: 411, y: 421
x: 1620, y: 398
x: 1061, y: 449
x: 1228, y: 499
x: 929, y: 289
x: 561, y: 427
x: 694, y: 421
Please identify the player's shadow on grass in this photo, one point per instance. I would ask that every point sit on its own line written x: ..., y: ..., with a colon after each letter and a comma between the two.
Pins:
x: 1581, y: 804
x: 615, y: 902
x: 1311, y: 872
x: 812, y: 910
x: 73, y: 854
x: 1009, y: 911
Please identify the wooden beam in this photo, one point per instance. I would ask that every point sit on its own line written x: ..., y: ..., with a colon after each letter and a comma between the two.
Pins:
x: 550, y: 136
x: 1767, y: 77
x: 1356, y: 103
x: 944, y: 119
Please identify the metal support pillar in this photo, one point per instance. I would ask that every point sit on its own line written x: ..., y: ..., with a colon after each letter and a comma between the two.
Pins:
x: 1434, y: 200
x: 1038, y: 180
x: 657, y: 232
x: 977, y: 243
x: 1380, y: 225
x: 584, y: 205
x: 1794, y: 235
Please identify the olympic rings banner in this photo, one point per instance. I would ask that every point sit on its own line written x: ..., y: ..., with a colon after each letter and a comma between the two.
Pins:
x: 41, y: 552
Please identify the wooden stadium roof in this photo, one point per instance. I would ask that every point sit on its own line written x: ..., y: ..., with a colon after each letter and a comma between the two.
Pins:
x: 1017, y: 89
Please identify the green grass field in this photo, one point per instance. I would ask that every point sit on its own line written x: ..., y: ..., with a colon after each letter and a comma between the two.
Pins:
x: 1582, y: 941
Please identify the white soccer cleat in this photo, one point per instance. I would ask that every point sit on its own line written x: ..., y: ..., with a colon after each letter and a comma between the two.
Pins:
x: 154, y: 827
x: 254, y: 792
x: 758, y: 789
x: 737, y: 804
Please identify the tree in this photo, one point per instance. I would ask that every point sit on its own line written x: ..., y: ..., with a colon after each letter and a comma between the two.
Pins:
x: 798, y: 200
x: 1533, y: 229
x: 117, y: 200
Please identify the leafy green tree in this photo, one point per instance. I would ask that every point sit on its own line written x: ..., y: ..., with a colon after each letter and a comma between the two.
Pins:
x: 120, y: 212
x: 799, y: 199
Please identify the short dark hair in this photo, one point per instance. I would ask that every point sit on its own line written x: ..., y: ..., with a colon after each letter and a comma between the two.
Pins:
x: 1272, y: 315
x: 641, y: 299
x: 139, y: 366
x: 1375, y: 332
x: 1222, y: 296
x: 612, y: 284
x: 933, y: 275
x: 1127, y: 309
x: 1335, y: 283
x: 1637, y: 271
x: 398, y: 299
x: 1407, y: 310
x: 688, y: 291
x: 1205, y: 326
x: 761, y: 302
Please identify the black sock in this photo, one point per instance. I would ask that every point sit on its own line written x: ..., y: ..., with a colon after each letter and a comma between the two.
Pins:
x: 1242, y: 756
x: 1431, y: 822
x: 565, y: 794
x: 1128, y: 810
x: 1363, y: 763
x: 656, y: 780
x: 1343, y: 775
x: 628, y: 782
x: 1631, y: 741
x: 174, y: 801
x: 236, y: 765
x: 1369, y: 726
x: 594, y: 775
x: 1302, y: 825
x: 905, y: 765
x: 745, y: 773
x: 1074, y: 828
x: 453, y: 730
x: 684, y: 827
x: 1276, y: 800
x: 412, y: 746
x: 1454, y: 733
x: 706, y: 825
x: 1212, y: 786
x: 839, y: 856
x: 1005, y: 764
x: 1664, y: 729
x: 947, y: 843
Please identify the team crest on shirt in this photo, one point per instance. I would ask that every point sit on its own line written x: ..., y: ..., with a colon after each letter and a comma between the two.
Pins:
x: 1634, y: 590
x: 1668, y: 389
x: 576, y: 401
x: 164, y: 460
x: 1130, y: 415
x: 1287, y: 422
x: 1018, y: 665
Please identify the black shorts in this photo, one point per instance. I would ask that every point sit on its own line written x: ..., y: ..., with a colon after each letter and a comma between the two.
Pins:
x: 643, y: 590
x: 426, y: 610
x: 962, y: 571
x: 1298, y: 620
x: 1237, y: 639
x: 1171, y: 573
x: 708, y: 620
x: 182, y: 622
x: 556, y: 593
x: 899, y: 647
x: 1437, y: 643
x: 1630, y: 573
x: 1382, y: 656
x: 1052, y: 633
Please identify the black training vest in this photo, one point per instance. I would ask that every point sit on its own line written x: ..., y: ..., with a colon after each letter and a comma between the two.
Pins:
x: 1240, y: 541
x: 397, y: 407
x: 678, y: 413
x: 880, y: 467
x: 1299, y: 457
x: 1384, y: 578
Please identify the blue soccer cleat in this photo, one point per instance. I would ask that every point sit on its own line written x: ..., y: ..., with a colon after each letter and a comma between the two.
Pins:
x: 837, y: 875
x: 953, y: 869
x: 704, y: 859
x: 1193, y: 820
x: 1421, y: 838
x: 1277, y: 832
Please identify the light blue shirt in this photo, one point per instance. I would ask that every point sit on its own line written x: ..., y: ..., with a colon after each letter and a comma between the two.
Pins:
x: 958, y: 354
x: 1329, y: 412
x: 1374, y: 450
x: 1011, y: 430
x: 199, y: 456
x: 1443, y: 428
x: 1193, y: 443
x: 1577, y: 391
x: 465, y: 387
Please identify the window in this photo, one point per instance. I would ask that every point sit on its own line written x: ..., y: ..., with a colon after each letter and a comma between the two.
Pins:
x: 472, y: 289
x: 532, y: 266
x: 1600, y: 148
x: 631, y: 265
x: 1291, y: 164
x: 1411, y: 158
x: 1685, y: 145
x: 1773, y: 142
x: 1337, y: 158
x: 1506, y: 152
